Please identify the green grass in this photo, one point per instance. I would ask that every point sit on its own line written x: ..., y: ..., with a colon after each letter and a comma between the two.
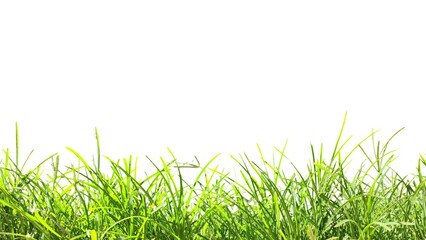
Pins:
x: 262, y: 202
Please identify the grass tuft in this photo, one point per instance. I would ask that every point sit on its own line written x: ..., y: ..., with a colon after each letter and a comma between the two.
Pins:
x: 82, y: 202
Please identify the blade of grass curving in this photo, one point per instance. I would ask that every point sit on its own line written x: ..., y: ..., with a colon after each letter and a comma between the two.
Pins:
x: 340, y: 135
x: 82, y: 160
x: 16, y: 144
x: 22, y: 214
x: 197, y: 179
x: 280, y: 161
x: 359, y: 145
x: 98, y: 150
x: 45, y: 224
x: 6, y: 176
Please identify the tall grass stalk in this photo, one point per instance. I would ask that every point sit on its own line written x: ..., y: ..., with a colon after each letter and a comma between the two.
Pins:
x: 83, y: 202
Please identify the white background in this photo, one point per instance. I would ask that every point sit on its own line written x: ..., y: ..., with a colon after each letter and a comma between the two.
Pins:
x: 211, y: 77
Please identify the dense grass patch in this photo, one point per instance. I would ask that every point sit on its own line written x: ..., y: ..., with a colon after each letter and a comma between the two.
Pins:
x: 83, y: 202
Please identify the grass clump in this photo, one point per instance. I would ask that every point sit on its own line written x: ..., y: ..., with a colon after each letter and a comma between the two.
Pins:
x: 83, y: 202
